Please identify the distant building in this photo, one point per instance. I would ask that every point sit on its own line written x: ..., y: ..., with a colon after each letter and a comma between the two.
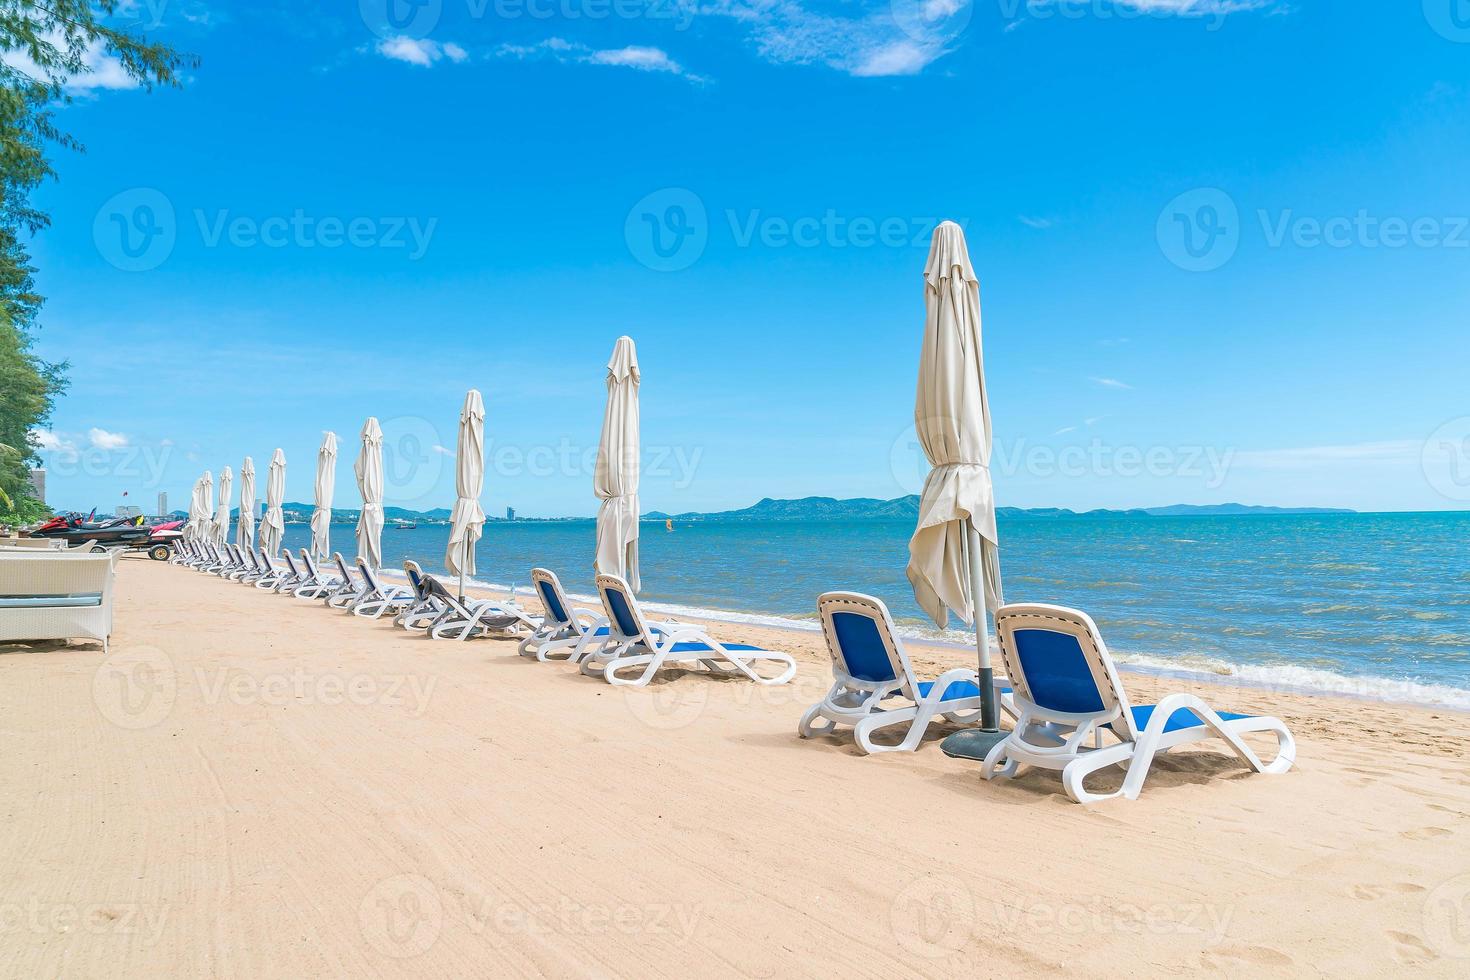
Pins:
x: 162, y: 504
x: 510, y: 513
x: 128, y: 510
x: 38, y: 484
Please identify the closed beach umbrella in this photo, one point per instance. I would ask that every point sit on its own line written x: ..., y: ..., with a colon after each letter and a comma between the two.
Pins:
x: 273, y: 524
x: 222, y: 512
x: 326, y: 484
x: 616, y: 478
x: 245, y: 526
x: 204, y: 505
x: 468, y: 520
x: 954, y: 555
x: 369, y: 470
x: 198, y: 511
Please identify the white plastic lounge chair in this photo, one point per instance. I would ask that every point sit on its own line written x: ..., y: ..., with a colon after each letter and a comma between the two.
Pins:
x: 466, y: 618
x: 348, y: 589
x: 294, y: 575
x: 273, y: 575
x: 873, y: 679
x: 564, y: 627
x: 1067, y: 691
x: 633, y: 642
x: 255, y: 568
x: 314, y: 583
x: 379, y: 597
x: 427, y: 606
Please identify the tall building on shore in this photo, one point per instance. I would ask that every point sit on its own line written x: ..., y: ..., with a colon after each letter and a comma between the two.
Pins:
x: 510, y: 513
x: 38, y: 483
x: 163, y: 503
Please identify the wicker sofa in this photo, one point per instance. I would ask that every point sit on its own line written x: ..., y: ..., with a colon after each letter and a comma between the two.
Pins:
x: 55, y: 596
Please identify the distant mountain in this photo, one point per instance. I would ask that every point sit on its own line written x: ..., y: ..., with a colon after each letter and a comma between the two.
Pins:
x: 297, y: 512
x: 907, y: 508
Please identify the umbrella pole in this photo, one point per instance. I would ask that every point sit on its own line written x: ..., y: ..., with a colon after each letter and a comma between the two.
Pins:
x: 464, y: 556
x: 989, y: 716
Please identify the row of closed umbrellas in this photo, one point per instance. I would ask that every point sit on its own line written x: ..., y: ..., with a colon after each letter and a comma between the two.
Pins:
x: 954, y: 563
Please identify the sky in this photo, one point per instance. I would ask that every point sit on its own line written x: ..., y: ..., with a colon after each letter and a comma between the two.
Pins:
x: 1222, y: 247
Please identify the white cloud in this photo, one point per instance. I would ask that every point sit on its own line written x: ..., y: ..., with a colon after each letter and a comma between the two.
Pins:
x: 443, y: 450
x: 104, y: 440
x: 420, y: 51
x: 880, y: 39
x: 100, y: 70
x: 897, y: 58
x: 1040, y: 224
x: 58, y: 445
x: 1398, y: 451
x: 633, y: 56
x: 1111, y: 383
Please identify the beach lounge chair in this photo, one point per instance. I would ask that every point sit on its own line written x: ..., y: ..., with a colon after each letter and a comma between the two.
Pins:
x: 273, y: 574
x: 1067, y: 690
x: 378, y: 597
x: 633, y: 642
x: 466, y: 618
x: 248, y: 565
x: 874, y: 686
x: 427, y: 605
x: 234, y: 562
x: 348, y: 589
x: 564, y: 627
x: 314, y: 583
x: 255, y: 568
x: 294, y: 575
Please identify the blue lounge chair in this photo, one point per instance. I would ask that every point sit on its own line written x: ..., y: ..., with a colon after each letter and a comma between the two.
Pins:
x: 633, y: 642
x: 565, y: 630
x: 874, y: 686
x: 378, y: 597
x: 1067, y: 691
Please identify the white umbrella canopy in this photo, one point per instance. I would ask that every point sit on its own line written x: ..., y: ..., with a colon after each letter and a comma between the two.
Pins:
x: 369, y: 470
x: 326, y: 485
x: 204, y: 507
x: 192, y: 524
x: 954, y: 555
x: 273, y: 524
x: 245, y: 525
x: 467, y: 522
x: 616, y: 477
x: 221, y: 527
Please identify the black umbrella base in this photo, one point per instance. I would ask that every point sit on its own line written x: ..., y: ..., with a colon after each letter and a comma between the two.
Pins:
x: 972, y: 744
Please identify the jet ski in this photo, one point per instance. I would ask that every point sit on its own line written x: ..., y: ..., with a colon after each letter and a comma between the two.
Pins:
x: 118, y: 532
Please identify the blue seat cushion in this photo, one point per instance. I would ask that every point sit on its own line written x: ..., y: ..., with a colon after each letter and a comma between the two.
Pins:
x: 692, y: 647
x: 49, y: 601
x: 955, y: 691
x: 1181, y: 719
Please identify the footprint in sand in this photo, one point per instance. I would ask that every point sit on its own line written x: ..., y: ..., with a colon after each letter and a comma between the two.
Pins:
x: 1370, y: 893
x: 1410, y: 950
x: 1448, y: 809
x: 1232, y: 955
x: 1425, y: 833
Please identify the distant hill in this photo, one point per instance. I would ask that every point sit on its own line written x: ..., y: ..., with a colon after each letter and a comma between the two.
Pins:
x: 907, y: 508
x: 297, y: 512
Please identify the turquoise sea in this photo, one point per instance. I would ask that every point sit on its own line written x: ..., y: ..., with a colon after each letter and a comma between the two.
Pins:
x: 1372, y: 605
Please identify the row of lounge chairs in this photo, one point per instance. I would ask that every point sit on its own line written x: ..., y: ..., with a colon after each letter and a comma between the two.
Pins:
x: 1062, y: 690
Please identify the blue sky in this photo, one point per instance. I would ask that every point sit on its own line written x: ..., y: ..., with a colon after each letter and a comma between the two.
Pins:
x: 1222, y: 246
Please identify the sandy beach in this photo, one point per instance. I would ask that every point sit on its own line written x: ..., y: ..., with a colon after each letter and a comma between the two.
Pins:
x: 252, y: 785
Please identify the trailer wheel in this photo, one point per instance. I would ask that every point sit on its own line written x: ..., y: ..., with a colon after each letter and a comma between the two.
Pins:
x: 159, y: 552
x: 97, y: 549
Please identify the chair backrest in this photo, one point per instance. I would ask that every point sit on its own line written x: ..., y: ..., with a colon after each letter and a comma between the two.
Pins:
x: 1056, y: 659
x: 308, y: 561
x: 264, y: 560
x: 41, y: 573
x: 417, y: 580
x: 553, y: 598
x: 625, y: 620
x: 342, y: 568
x: 368, y: 575
x: 290, y: 563
x: 863, y: 641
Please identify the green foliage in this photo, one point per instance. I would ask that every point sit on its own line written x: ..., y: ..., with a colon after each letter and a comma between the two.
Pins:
x: 48, y: 44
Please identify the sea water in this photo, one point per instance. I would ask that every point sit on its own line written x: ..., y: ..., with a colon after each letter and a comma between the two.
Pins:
x: 1368, y: 605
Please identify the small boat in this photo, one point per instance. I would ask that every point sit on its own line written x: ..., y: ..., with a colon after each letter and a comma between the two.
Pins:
x: 399, y: 524
x: 668, y: 525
